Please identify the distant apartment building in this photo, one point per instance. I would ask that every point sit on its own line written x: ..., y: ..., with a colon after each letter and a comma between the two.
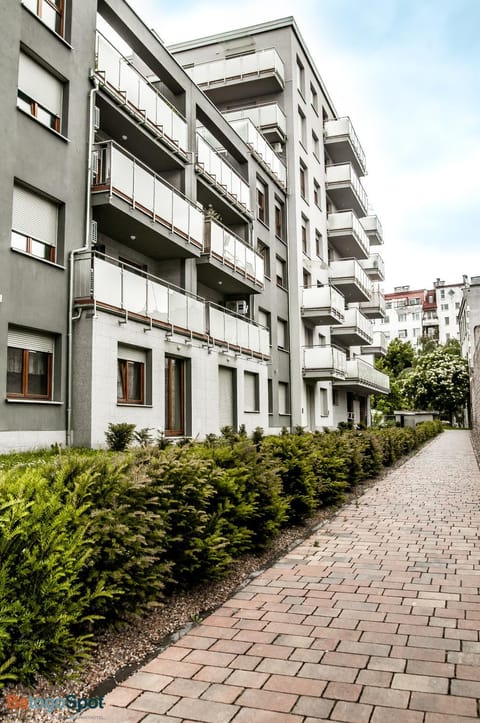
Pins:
x: 165, y: 263
x: 431, y: 313
x: 469, y: 325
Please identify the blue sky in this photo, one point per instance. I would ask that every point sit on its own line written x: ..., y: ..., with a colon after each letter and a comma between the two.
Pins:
x: 407, y: 72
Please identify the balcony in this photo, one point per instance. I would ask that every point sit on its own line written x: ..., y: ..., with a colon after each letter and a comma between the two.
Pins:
x: 132, y: 91
x: 227, y: 260
x: 350, y: 279
x: 375, y: 307
x: 117, y: 288
x: 373, y: 229
x: 356, y: 329
x: 252, y: 75
x: 221, y: 175
x: 345, y: 190
x: 378, y: 347
x: 261, y: 148
x: 140, y: 209
x: 322, y: 305
x: 346, y: 234
x: 374, y: 267
x: 343, y: 145
x: 269, y: 118
x: 362, y: 378
x: 324, y: 363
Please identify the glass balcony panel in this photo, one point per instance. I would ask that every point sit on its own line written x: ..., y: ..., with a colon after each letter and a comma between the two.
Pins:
x: 129, y: 83
x: 196, y: 315
x: 249, y: 64
x: 177, y: 309
x: 180, y: 214
x: 197, y: 220
x: 217, y: 323
x: 108, y: 61
x: 216, y: 240
x: 250, y: 262
x: 229, y: 249
x: 82, y: 280
x: 108, y: 283
x: 122, y: 170
x: 134, y: 292
x: 164, y: 118
x: 148, y: 102
x: 144, y: 188
x: 180, y: 130
x: 264, y: 341
x: 157, y: 301
x: 231, y: 332
x: 163, y: 203
x: 243, y: 328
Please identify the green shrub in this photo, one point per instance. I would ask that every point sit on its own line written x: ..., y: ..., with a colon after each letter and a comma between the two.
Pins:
x: 119, y: 436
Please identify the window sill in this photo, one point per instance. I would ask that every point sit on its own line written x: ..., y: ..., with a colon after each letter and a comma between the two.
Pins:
x: 251, y: 411
x: 51, y: 402
x: 264, y: 224
x: 42, y: 125
x: 133, y: 404
x: 56, y: 35
x: 37, y: 258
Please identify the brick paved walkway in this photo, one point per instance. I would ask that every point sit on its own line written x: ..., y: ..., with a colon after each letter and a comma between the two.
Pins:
x: 373, y: 619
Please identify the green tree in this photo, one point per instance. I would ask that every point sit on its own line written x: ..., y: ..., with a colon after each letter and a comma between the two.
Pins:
x: 399, y: 357
x: 439, y: 380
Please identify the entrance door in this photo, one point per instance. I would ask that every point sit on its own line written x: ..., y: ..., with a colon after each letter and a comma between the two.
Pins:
x: 174, y: 397
x: 226, y: 397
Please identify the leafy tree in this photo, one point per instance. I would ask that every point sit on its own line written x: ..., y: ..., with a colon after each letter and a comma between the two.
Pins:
x: 439, y: 380
x: 399, y: 357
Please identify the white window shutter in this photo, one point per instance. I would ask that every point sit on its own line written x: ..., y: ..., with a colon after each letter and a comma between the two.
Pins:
x: 40, y: 85
x: 32, y: 340
x: 34, y: 216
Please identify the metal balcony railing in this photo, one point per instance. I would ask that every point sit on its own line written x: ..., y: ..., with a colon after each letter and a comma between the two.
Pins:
x: 343, y: 128
x: 343, y: 174
x: 124, y: 176
x: 222, y: 172
x: 253, y: 138
x: 325, y: 359
x: 241, y: 67
x: 349, y: 269
x: 233, y: 252
x: 345, y: 222
x: 115, y: 70
x: 104, y: 280
x: 261, y: 116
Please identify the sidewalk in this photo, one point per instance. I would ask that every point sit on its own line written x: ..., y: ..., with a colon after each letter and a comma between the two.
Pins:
x: 373, y: 619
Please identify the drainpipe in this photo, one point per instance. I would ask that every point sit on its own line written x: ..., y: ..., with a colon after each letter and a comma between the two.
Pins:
x: 85, y: 247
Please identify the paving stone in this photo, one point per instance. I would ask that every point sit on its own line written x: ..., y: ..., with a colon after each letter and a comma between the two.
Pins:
x: 207, y: 711
x: 351, y: 712
x: 267, y: 700
x: 453, y: 705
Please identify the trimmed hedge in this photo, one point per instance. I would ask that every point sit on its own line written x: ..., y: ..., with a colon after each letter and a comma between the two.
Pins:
x: 88, y: 539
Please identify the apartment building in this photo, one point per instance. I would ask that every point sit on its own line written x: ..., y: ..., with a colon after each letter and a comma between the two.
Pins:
x: 431, y: 313
x: 469, y: 325
x: 265, y: 81
x: 163, y: 263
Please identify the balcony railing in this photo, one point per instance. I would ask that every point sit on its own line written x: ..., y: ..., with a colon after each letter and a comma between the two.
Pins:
x: 362, y: 373
x: 143, y: 97
x: 378, y: 347
x: 375, y: 308
x: 373, y: 229
x: 345, y: 230
x: 355, y: 319
x: 117, y: 286
x: 323, y: 305
x: 233, y: 252
x: 343, y: 182
x: 354, y: 330
x: 252, y: 137
x: 340, y: 130
x: 269, y: 115
x: 221, y: 173
x: 122, y: 175
x: 374, y: 266
x: 349, y: 273
x: 242, y: 67
x: 324, y: 362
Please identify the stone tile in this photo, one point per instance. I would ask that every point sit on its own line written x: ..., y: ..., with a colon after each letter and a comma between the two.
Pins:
x: 207, y: 711
x: 351, y: 712
x: 453, y: 705
x: 267, y: 700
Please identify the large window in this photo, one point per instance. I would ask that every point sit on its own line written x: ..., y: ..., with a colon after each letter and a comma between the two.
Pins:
x: 279, y: 220
x: 281, y: 273
x: 40, y: 94
x: 29, y: 365
x: 262, y: 203
x: 34, y: 224
x: 50, y: 12
x: 303, y: 181
x: 130, y: 381
x: 251, y: 392
x: 283, y: 398
x: 174, y: 397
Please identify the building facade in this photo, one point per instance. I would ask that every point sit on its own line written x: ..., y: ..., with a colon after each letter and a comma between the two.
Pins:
x: 469, y: 325
x: 167, y: 264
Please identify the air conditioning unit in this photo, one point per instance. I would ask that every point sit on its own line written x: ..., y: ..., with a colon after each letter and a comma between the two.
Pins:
x: 239, y: 307
x: 96, y: 118
x: 277, y: 147
x: 93, y: 232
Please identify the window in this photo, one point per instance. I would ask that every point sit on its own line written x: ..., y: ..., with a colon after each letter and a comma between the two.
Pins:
x: 282, y: 341
x: 388, y: 305
x: 279, y: 220
x: 174, y: 397
x: 131, y: 379
x: 335, y: 397
x: 444, y: 307
x: 303, y: 181
x: 430, y: 299
x: 50, y: 12
x: 308, y: 335
x: 34, y: 224
x: 40, y: 94
x: 307, y: 278
x: 402, y: 334
x: 316, y: 193
x: 416, y: 316
x: 442, y: 293
x: 300, y: 77
x: 283, y: 398
x: 264, y: 318
x: 314, y: 98
x: 402, y: 317
x: 322, y: 340
x: 305, y: 235
x: 29, y: 365
x: 303, y: 128
x: 251, y: 392
x: 447, y: 321
x: 264, y: 252
x: 270, y: 396
x: 318, y: 244
x: 457, y: 304
x: 316, y: 145
x: 323, y: 402
x: 416, y: 332
x: 281, y: 272
x: 262, y: 201
x: 386, y: 320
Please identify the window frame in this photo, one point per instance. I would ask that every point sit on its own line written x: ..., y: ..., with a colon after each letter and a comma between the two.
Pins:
x: 24, y: 394
x: 279, y: 220
x: 256, y: 383
x: 262, y: 201
x: 303, y: 180
x: 59, y: 9
x: 124, y: 377
x: 169, y: 413
x: 281, y: 282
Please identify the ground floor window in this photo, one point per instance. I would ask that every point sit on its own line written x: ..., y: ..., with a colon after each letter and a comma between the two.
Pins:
x: 174, y: 397
x: 130, y: 382
x: 29, y: 373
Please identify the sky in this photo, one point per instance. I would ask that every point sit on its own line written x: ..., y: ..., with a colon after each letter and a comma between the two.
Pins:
x: 407, y: 72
